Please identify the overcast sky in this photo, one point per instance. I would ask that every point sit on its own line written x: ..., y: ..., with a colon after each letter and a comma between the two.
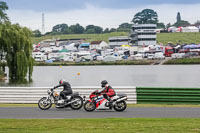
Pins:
x: 104, y: 13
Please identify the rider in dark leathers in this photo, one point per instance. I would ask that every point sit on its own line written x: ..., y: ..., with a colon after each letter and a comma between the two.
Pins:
x: 67, y: 90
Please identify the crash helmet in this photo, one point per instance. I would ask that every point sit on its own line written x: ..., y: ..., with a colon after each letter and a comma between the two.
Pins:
x: 61, y: 81
x: 103, y: 83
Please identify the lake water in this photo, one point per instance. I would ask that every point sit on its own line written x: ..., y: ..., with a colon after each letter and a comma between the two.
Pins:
x: 134, y: 75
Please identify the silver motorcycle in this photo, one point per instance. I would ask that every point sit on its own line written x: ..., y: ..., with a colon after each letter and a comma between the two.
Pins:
x: 73, y: 100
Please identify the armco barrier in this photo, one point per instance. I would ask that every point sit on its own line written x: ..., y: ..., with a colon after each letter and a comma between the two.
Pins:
x: 168, y: 95
x: 33, y: 94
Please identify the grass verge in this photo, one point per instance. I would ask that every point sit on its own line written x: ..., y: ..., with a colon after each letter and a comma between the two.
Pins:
x: 110, y: 125
x: 183, y: 61
x: 129, y: 105
x: 126, y: 62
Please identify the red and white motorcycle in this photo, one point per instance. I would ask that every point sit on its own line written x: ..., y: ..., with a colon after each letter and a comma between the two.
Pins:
x: 97, y: 101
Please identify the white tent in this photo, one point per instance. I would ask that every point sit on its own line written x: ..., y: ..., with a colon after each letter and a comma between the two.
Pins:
x: 190, y: 29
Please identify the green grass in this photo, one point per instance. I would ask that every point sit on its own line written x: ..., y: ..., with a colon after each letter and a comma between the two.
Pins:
x: 88, y: 37
x: 110, y: 125
x: 17, y: 105
x: 161, y: 37
x: 184, y: 61
x: 129, y: 105
x: 178, y: 38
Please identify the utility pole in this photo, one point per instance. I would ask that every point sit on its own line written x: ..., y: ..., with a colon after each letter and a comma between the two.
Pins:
x: 43, y: 27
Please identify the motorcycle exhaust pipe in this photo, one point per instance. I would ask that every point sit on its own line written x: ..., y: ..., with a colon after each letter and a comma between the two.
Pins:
x: 124, y: 98
x: 72, y: 102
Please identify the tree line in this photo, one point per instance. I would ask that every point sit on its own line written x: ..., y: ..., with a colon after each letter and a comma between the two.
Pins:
x: 146, y: 16
x: 78, y: 29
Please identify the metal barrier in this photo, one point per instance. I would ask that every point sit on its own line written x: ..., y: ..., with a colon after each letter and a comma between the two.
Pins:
x: 33, y: 94
x: 164, y: 95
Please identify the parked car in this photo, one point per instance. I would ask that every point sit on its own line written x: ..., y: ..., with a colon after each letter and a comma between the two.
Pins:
x: 99, y: 58
x: 55, y: 59
x: 109, y: 58
x: 151, y: 56
x: 138, y: 56
x: 159, y: 55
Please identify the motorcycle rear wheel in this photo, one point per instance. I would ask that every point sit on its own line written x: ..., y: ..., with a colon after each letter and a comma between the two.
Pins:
x: 89, y: 106
x: 44, y: 103
x: 120, y: 106
x: 78, y: 104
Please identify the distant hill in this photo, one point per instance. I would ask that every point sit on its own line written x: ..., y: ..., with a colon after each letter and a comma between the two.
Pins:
x: 179, y: 38
x: 161, y: 37
x: 88, y: 37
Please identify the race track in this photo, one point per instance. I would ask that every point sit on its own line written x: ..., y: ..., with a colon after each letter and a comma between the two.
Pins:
x: 131, y: 112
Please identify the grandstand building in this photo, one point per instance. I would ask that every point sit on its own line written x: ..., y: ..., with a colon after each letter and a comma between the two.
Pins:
x: 143, y: 34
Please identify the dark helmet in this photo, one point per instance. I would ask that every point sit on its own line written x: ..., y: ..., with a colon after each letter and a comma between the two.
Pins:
x: 103, y: 83
x: 61, y: 81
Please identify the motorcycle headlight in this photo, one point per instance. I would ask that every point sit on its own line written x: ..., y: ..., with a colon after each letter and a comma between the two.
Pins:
x: 56, y: 94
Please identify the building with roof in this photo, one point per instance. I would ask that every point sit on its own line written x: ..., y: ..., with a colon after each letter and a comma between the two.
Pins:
x: 100, y: 45
x: 143, y: 34
x: 117, y: 41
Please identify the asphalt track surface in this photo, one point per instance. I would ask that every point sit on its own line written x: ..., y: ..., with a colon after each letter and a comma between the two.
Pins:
x: 131, y: 112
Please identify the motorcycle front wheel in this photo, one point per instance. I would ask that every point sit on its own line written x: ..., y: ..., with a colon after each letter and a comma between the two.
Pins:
x: 44, y: 103
x: 89, y: 106
x: 120, y: 106
x: 77, y: 104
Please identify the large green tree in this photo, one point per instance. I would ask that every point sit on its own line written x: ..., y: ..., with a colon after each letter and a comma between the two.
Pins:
x: 124, y: 27
x: 91, y: 29
x: 37, y: 33
x: 76, y: 29
x: 113, y: 30
x: 16, y: 42
x: 60, y: 29
x: 106, y: 30
x: 146, y: 16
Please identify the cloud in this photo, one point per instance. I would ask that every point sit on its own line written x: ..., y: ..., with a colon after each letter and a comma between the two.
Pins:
x: 63, y: 5
x: 104, y: 17
x: 45, y: 5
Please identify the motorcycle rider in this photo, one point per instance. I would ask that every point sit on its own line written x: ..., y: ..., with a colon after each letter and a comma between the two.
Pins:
x: 67, y: 90
x: 107, y: 91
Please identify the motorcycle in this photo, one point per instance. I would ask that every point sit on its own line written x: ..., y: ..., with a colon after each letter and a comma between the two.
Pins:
x: 74, y: 101
x: 97, y: 101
